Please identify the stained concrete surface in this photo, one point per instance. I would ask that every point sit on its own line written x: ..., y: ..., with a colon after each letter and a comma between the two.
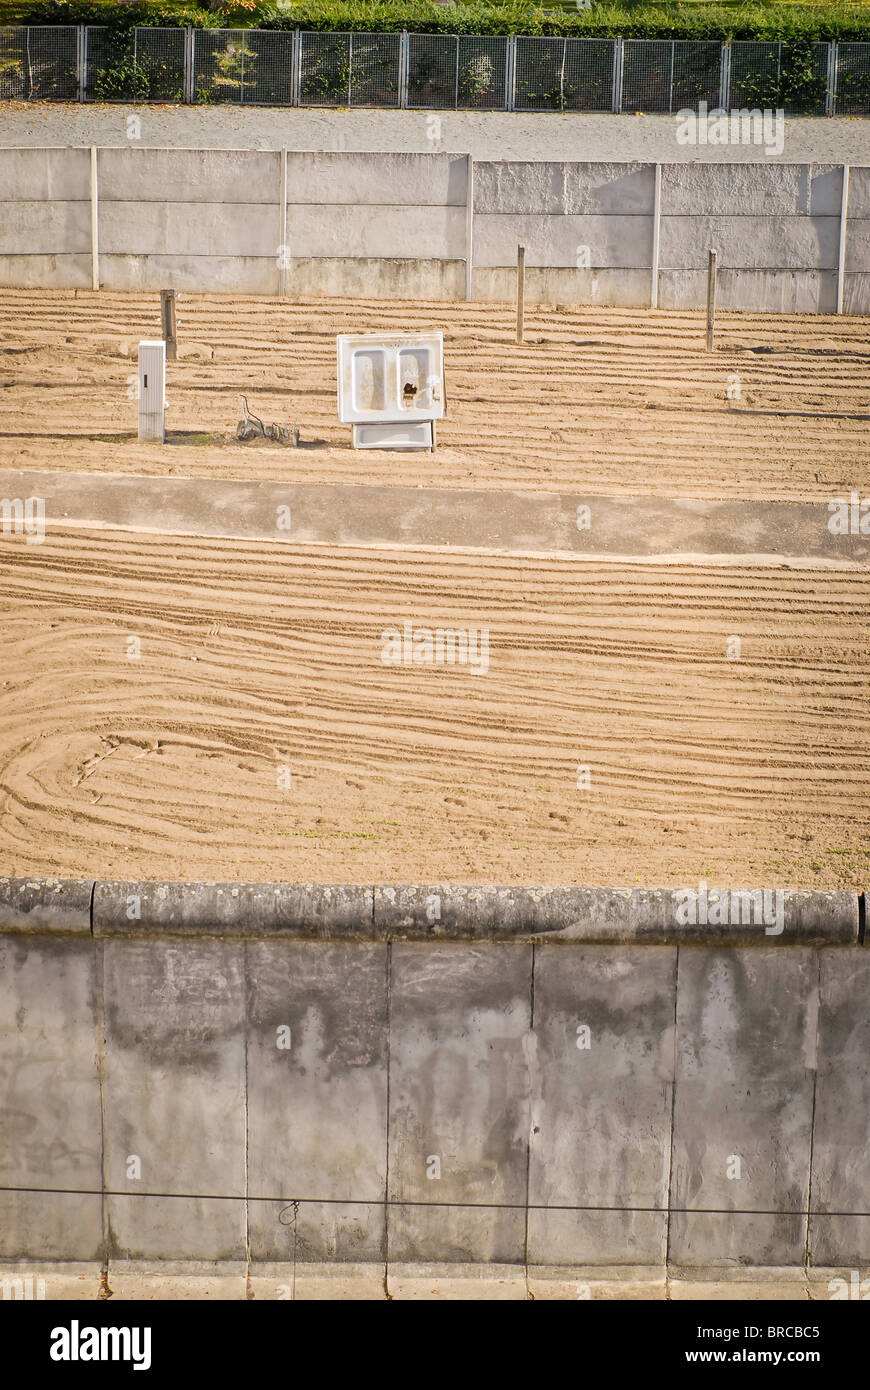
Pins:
x: 617, y: 528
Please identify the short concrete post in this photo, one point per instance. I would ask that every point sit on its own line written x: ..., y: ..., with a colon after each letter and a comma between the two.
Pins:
x: 711, y: 298
x: 521, y: 290
x: 167, y: 318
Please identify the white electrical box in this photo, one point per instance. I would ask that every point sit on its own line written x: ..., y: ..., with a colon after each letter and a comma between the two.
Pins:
x: 391, y: 389
x: 152, y: 390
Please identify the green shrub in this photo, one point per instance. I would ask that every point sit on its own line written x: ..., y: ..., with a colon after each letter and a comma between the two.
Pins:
x: 663, y: 19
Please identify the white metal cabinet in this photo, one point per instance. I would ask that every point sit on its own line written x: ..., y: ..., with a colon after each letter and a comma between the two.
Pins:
x: 152, y: 390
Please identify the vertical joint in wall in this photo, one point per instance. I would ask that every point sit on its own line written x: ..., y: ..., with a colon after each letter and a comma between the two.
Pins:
x: 844, y: 224
x: 469, y: 227
x: 95, y: 222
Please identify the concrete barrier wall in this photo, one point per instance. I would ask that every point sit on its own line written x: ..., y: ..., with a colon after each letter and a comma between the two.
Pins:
x: 553, y: 1103
x: 433, y: 225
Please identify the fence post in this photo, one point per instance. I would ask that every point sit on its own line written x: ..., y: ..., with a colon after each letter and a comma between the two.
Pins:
x: 349, y: 68
x: 711, y: 298
x: 617, y: 75
x: 725, y: 77
x: 296, y: 69
x: 95, y: 222
x: 456, y: 86
x: 844, y: 222
x: 188, y: 66
x: 657, y: 224
x: 831, y: 92
x: 469, y: 226
x: 404, y: 68
x: 81, y: 62
x: 510, y: 73
x: 671, y: 87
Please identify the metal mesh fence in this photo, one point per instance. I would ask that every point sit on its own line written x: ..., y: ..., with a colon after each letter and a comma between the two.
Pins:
x: 110, y: 70
x: 697, y: 74
x: 647, y: 74
x: 541, y: 74
x: 564, y: 74
x: 590, y: 74
x: 14, y: 84
x: 374, y: 69
x: 325, y: 70
x: 219, y: 65
x: 268, y: 67
x: 803, y: 79
x: 39, y: 63
x: 428, y: 71
x: 754, y: 75
x: 433, y: 71
x: 853, y: 79
x: 670, y: 74
x: 144, y: 65
x: 159, y: 57
x: 482, y: 72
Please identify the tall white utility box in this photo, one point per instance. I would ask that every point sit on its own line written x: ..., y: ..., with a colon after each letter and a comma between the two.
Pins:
x: 152, y: 391
x: 391, y: 388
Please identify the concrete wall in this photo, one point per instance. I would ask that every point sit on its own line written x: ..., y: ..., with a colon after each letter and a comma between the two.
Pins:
x: 399, y: 225
x: 157, y: 1036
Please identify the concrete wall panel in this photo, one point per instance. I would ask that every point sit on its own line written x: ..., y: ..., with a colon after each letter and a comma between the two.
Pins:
x: 215, y: 274
x: 764, y: 190
x: 134, y: 175
x: 764, y: 291
x: 46, y: 175
x: 610, y: 188
x: 858, y: 244
x: 459, y: 1092
x: 175, y: 1097
x: 856, y: 293
x: 618, y: 288
x: 555, y: 241
x: 317, y: 1109
x: 575, y: 188
x: 434, y: 180
x: 841, y: 1136
x: 50, y: 1112
x: 375, y: 278
x: 47, y: 228
x: 601, y: 1114
x: 345, y: 230
x: 747, y: 1028
x: 193, y: 229
x: 808, y: 243
x: 61, y: 272
x: 859, y: 191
